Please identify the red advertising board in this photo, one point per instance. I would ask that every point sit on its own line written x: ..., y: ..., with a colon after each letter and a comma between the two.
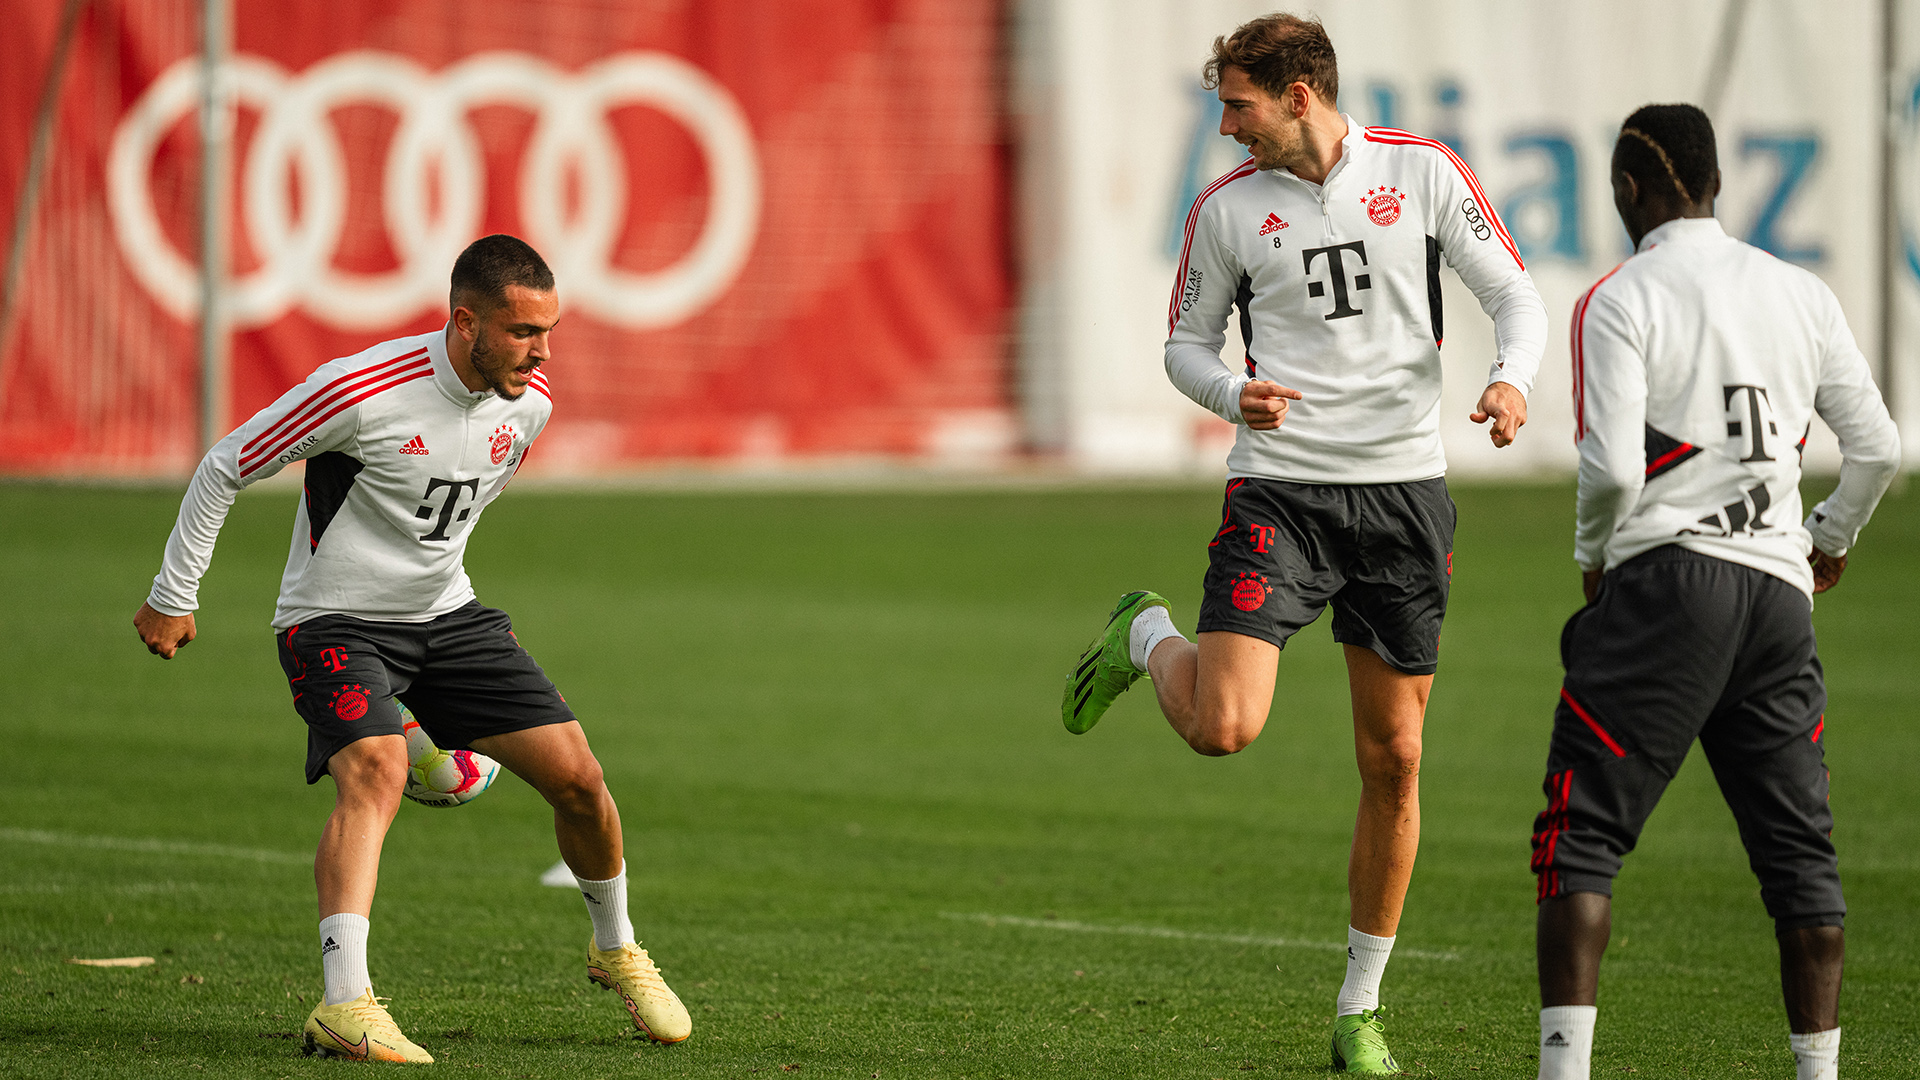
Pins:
x: 779, y: 227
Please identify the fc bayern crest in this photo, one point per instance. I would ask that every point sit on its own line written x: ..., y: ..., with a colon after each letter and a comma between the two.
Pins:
x: 502, y: 444
x: 1250, y: 590
x: 1383, y: 205
x: 350, y: 702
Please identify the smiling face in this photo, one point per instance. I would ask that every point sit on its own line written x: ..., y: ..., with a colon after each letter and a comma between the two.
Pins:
x: 1266, y: 125
x: 507, y: 341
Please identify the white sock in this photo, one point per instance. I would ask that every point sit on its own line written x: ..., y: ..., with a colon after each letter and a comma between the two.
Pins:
x: 1149, y: 628
x: 1816, y: 1055
x: 607, y: 903
x: 1366, y: 962
x: 343, y: 957
x: 1566, y: 1041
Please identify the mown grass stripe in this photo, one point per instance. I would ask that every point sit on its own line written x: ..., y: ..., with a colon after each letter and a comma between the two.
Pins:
x: 1178, y: 935
x: 155, y: 846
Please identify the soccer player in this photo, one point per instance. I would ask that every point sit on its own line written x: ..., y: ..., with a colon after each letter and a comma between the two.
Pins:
x: 1329, y: 240
x: 406, y: 444
x: 1698, y: 365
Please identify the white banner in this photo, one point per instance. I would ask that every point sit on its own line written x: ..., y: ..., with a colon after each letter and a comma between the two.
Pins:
x: 1118, y: 138
x: 1904, y: 117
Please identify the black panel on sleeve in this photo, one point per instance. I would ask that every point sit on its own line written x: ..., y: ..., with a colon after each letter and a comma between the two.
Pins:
x: 1433, y: 288
x: 329, y: 477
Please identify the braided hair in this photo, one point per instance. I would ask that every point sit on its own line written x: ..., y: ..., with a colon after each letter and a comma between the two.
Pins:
x: 1669, y: 147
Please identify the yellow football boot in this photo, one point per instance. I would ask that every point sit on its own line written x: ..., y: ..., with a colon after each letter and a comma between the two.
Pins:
x: 360, y: 1030
x: 656, y: 1010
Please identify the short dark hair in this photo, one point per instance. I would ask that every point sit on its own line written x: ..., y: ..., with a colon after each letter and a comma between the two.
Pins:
x: 1277, y: 51
x: 482, y: 272
x: 1668, y: 148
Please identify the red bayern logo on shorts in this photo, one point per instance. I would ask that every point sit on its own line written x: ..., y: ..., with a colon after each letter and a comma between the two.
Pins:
x: 1250, y: 590
x: 350, y: 702
x: 1383, y: 205
x: 502, y: 442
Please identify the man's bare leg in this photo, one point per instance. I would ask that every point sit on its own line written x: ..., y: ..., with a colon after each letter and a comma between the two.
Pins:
x: 368, y: 776
x: 556, y: 760
x: 1810, y: 963
x: 1215, y: 693
x: 1389, y: 708
x: 1570, y: 937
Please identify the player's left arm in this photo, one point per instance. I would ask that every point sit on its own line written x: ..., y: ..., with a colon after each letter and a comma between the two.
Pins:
x: 1849, y: 402
x: 1610, y: 428
x: 1474, y: 241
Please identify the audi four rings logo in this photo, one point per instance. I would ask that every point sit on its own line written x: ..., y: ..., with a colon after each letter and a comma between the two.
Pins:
x: 1474, y: 221
x: 433, y: 183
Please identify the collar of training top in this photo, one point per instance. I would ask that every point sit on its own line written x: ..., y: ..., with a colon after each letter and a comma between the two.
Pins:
x: 1692, y: 228
x: 445, y: 377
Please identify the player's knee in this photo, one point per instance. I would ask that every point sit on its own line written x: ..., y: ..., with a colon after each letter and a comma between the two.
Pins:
x: 579, y: 789
x: 1393, y: 763
x: 1224, y: 732
x: 370, y: 772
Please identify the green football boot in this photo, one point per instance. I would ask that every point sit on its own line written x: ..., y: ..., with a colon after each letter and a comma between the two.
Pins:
x: 1360, y: 1046
x: 1105, y: 670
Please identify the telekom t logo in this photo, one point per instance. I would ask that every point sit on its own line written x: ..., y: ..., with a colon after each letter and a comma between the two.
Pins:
x: 333, y: 657
x: 1262, y: 537
x: 1751, y: 418
x: 447, y: 515
x: 1337, y: 275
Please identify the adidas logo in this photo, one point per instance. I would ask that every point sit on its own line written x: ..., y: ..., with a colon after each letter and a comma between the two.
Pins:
x: 590, y: 898
x: 1273, y: 225
x: 328, y: 947
x: 414, y: 446
x: 1555, y: 1039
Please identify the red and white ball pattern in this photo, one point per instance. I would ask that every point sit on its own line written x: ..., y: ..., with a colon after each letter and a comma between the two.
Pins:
x: 437, y: 777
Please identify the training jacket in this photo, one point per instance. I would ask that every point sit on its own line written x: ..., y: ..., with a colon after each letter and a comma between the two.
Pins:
x: 401, y: 460
x: 1338, y: 288
x: 1698, y: 365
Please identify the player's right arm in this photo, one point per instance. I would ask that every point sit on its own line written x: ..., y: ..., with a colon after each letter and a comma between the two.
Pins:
x: 1610, y: 388
x: 312, y: 418
x: 1203, y: 292
x: 1849, y: 402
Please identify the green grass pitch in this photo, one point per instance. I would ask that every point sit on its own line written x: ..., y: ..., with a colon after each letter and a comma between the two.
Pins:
x: 831, y: 722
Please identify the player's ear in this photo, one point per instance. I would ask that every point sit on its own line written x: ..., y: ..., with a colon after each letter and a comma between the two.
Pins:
x: 1713, y: 189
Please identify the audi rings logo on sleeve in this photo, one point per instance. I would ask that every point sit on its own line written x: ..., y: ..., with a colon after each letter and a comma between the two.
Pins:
x: 434, y: 152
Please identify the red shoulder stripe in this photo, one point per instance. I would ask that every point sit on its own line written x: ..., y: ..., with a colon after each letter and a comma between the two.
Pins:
x: 318, y: 402
x: 338, y: 405
x: 1578, y: 351
x: 1245, y: 168
x: 1396, y: 137
x: 318, y: 398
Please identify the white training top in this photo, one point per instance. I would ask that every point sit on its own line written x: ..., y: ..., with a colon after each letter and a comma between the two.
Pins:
x: 1338, y: 286
x: 1697, y: 367
x: 401, y: 459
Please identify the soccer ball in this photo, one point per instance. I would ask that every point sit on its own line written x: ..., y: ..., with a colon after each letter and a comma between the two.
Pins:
x: 437, y: 777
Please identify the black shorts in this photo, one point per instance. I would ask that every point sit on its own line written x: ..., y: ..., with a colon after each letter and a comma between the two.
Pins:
x: 1680, y: 646
x: 463, y: 675
x: 1381, y: 554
